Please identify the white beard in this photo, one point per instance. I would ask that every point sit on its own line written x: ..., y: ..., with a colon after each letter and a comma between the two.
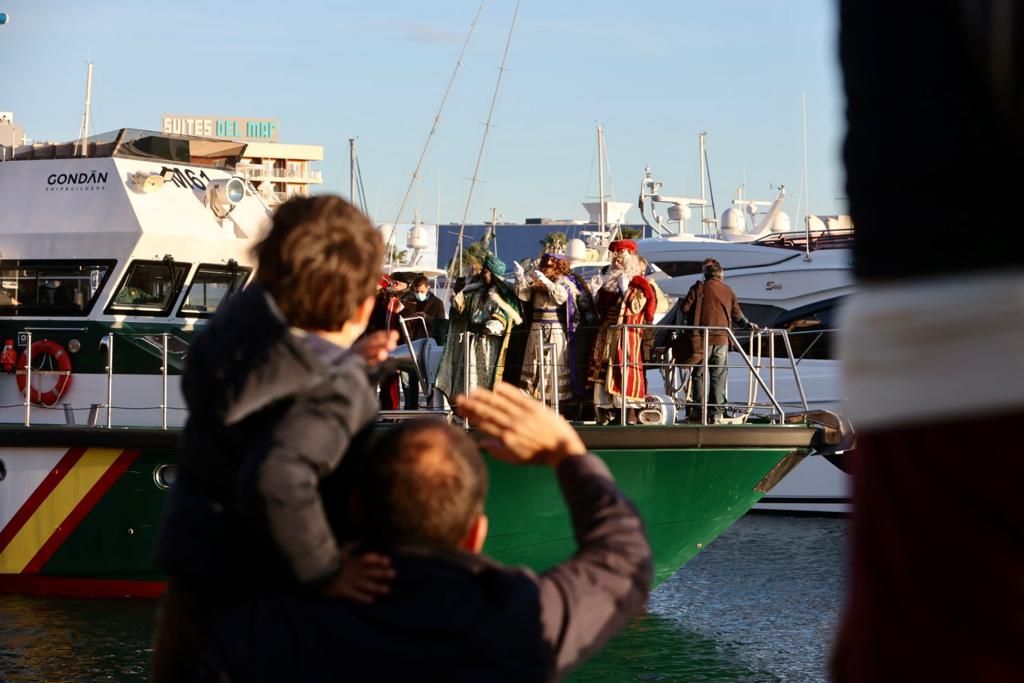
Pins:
x: 630, y: 267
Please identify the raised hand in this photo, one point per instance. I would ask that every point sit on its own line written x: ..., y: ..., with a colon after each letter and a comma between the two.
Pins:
x: 375, y: 346
x: 518, y: 428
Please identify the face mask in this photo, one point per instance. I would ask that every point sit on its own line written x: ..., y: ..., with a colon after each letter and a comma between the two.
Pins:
x: 421, y: 296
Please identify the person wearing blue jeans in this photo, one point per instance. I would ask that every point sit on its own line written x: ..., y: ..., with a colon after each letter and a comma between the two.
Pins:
x: 718, y: 357
x: 712, y: 303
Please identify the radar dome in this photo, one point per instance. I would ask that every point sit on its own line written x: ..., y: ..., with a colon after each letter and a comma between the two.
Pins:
x: 679, y: 212
x: 576, y: 250
x: 733, y: 222
x: 387, y: 232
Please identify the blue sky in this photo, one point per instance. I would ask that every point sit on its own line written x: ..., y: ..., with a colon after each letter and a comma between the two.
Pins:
x: 653, y: 73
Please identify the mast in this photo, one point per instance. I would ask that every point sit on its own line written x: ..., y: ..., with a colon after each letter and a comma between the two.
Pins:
x: 807, y: 191
x: 352, y: 170
x: 600, y: 180
x: 84, y: 133
x: 703, y: 172
x: 492, y: 234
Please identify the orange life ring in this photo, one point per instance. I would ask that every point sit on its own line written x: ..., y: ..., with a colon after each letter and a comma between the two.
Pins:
x: 63, y: 372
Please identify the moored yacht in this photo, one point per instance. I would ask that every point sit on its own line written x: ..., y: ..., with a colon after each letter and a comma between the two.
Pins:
x: 783, y: 279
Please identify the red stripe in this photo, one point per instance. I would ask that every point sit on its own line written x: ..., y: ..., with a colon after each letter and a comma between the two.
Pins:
x: 34, y: 584
x: 76, y: 516
x: 44, y: 489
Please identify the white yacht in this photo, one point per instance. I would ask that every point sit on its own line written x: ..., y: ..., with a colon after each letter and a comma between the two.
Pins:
x: 784, y: 279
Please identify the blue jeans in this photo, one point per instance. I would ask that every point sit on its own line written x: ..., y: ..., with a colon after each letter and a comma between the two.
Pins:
x: 718, y: 356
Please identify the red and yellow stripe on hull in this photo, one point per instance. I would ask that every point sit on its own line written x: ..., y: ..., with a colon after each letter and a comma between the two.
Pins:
x: 51, y: 514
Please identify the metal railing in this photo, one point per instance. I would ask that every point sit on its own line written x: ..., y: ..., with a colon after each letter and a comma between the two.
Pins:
x: 778, y: 413
x: 549, y: 367
x: 107, y: 348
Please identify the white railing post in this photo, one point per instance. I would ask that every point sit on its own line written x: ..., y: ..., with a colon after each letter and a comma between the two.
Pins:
x: 542, y: 369
x: 163, y: 370
x: 28, y: 378
x: 468, y: 336
x: 110, y: 380
x: 555, y: 376
x: 622, y: 372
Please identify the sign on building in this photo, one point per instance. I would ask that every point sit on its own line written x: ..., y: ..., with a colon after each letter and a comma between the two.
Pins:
x: 232, y: 128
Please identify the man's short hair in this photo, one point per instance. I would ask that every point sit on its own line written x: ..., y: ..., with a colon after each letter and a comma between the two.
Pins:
x: 425, y: 483
x: 420, y: 281
x: 319, y: 261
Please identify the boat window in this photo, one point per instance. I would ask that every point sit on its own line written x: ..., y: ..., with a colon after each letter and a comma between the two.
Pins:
x: 211, y: 286
x: 677, y: 268
x: 811, y: 330
x: 51, y: 287
x: 149, y: 287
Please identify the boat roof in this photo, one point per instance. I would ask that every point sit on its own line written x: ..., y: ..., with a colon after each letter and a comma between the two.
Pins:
x: 134, y: 143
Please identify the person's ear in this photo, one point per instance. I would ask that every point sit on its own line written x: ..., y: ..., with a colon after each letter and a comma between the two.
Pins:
x: 473, y: 541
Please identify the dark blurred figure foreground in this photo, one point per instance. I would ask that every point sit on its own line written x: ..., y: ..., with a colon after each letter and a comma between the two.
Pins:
x: 932, y: 343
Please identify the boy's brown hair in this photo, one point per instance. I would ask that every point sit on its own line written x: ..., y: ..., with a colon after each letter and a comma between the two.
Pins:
x: 320, y: 260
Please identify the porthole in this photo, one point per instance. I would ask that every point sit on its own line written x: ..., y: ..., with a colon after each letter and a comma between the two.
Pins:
x: 3, y: 470
x: 164, y: 476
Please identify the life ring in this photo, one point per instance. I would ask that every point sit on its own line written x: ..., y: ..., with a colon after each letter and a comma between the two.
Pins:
x: 46, y: 347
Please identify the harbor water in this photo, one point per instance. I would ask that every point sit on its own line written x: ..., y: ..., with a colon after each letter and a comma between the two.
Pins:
x: 760, y: 604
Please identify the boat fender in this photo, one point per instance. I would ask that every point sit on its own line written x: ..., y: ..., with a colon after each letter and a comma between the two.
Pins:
x: 46, y: 347
x: 8, y: 357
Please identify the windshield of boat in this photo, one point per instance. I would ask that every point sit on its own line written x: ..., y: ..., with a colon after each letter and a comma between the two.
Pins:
x: 51, y: 287
x: 211, y: 286
x: 149, y: 287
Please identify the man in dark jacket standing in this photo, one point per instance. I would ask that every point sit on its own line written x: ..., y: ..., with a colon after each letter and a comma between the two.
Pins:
x: 718, y: 308
x: 275, y: 396
x: 452, y: 615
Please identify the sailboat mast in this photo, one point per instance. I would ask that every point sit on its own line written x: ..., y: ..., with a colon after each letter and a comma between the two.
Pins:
x: 703, y: 174
x: 352, y: 170
x: 602, y: 217
x: 807, y: 191
x: 84, y: 134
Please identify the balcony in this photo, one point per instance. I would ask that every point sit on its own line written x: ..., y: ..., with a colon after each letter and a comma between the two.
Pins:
x: 268, y: 172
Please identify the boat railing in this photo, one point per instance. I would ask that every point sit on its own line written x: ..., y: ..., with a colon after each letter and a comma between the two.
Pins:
x: 107, y: 349
x: 762, y: 371
x: 755, y: 379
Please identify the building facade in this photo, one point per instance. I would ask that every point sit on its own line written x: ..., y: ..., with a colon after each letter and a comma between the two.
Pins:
x: 11, y: 134
x: 278, y: 170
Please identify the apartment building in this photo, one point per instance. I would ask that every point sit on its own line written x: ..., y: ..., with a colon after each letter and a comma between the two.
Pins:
x: 278, y: 170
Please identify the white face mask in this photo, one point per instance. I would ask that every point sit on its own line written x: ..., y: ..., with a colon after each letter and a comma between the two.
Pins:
x: 421, y: 296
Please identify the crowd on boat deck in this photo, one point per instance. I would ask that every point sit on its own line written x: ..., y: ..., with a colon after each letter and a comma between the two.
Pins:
x: 582, y: 345
x: 303, y: 545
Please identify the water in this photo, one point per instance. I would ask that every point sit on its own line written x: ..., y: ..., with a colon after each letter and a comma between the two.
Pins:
x: 760, y: 604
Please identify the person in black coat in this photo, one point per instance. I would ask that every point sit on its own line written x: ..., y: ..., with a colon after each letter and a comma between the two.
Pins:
x: 452, y: 614
x: 275, y: 395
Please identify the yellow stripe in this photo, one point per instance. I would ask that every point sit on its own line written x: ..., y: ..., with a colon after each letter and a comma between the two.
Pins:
x: 55, y: 509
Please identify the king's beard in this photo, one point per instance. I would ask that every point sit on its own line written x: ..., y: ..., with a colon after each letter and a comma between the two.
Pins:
x: 628, y: 265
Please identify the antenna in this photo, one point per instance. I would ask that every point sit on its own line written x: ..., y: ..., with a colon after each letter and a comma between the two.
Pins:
x: 602, y: 215
x: 83, y: 134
